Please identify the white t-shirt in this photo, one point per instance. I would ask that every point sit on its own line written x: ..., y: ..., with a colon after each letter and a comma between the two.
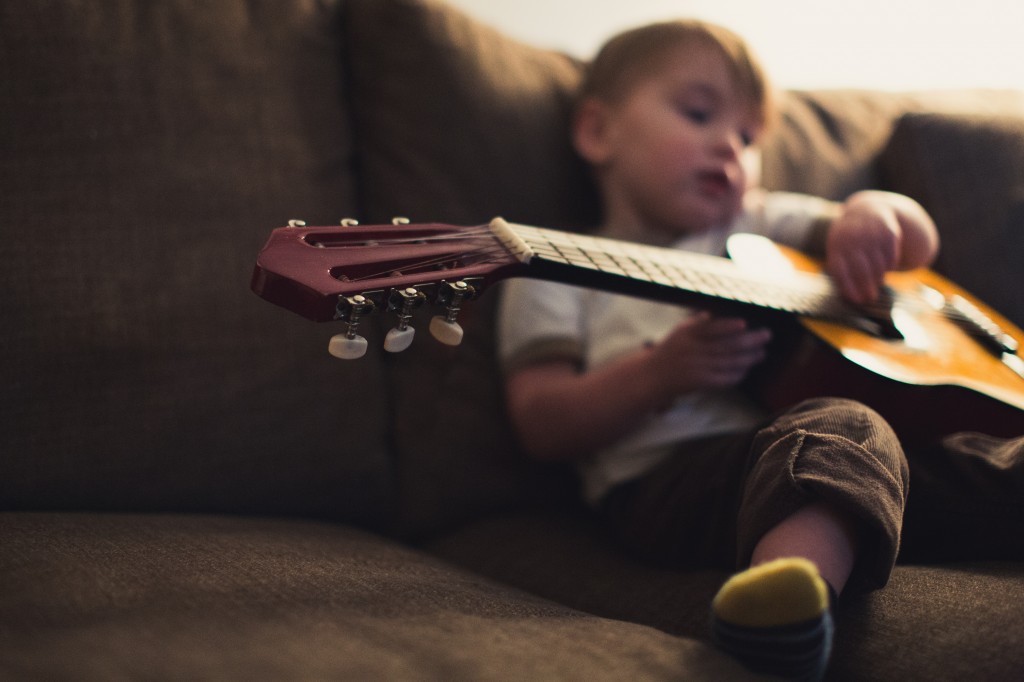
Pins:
x: 545, y: 320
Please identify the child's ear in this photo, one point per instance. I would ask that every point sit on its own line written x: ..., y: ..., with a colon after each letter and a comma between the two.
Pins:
x: 590, y: 134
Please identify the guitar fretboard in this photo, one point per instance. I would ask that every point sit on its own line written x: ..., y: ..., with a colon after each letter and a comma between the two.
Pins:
x: 682, y: 276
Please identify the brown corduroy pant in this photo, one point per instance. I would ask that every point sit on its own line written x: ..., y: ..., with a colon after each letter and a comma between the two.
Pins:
x: 709, y: 504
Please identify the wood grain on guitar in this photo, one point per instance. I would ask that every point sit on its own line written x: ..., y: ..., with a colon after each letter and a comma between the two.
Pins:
x: 935, y: 348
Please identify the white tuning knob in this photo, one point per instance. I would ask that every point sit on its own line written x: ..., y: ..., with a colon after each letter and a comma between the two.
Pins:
x: 403, y: 302
x: 398, y: 340
x: 347, y: 348
x: 444, y: 328
x: 448, y: 333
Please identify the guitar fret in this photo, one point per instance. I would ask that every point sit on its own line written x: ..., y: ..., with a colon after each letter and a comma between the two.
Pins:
x: 654, y: 271
x: 546, y: 251
x: 712, y: 276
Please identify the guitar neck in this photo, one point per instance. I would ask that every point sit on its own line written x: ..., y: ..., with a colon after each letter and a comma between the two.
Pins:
x: 671, y: 275
x: 307, y: 269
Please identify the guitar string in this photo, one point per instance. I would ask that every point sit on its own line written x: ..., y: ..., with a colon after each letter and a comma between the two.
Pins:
x: 485, y: 254
x: 914, y: 303
x: 812, y: 284
x: 889, y: 298
x: 552, y: 240
x: 911, y: 302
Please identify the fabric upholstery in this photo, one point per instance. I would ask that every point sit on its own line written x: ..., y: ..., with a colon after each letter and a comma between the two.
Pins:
x: 968, y: 172
x: 489, y: 138
x: 148, y: 150
x: 491, y: 114
x: 904, y: 631
x: 101, y: 597
x: 825, y: 142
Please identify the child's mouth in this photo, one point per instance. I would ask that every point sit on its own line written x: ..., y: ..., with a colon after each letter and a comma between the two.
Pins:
x: 714, y: 183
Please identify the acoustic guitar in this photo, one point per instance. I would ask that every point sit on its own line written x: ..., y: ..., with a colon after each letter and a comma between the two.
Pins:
x: 928, y: 355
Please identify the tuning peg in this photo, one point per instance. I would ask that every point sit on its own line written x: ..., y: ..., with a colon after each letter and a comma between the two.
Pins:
x: 347, y: 348
x: 448, y: 333
x: 349, y: 345
x: 402, y: 301
x: 349, y: 222
x: 444, y: 328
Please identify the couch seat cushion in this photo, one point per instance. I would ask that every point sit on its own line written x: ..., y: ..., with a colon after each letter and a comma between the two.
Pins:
x: 99, y: 597
x: 950, y: 622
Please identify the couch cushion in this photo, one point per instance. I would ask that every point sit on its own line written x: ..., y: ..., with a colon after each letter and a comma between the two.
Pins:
x: 951, y: 622
x: 100, y: 597
x: 147, y: 150
x: 457, y: 123
x: 968, y: 172
x: 827, y: 141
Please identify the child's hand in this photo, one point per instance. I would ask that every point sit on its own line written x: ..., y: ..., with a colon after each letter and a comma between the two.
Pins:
x: 877, y: 232
x: 708, y: 352
x: 562, y: 413
x: 863, y: 244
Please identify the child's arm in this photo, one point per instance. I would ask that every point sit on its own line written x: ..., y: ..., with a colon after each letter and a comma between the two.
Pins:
x: 561, y: 413
x: 877, y: 232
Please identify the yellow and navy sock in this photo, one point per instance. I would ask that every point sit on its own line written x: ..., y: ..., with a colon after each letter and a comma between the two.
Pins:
x: 775, y: 619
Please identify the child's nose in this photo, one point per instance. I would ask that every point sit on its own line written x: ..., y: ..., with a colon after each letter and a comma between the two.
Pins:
x: 729, y: 142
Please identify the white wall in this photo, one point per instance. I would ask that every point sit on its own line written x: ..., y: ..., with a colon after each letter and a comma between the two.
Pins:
x: 892, y: 44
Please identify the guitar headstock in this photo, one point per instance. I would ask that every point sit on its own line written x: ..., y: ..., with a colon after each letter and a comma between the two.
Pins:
x: 348, y: 271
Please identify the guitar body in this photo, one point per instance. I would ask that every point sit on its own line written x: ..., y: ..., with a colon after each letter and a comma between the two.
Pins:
x: 933, y: 381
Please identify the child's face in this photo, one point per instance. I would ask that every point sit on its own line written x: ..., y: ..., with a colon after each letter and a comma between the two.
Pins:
x: 679, y: 150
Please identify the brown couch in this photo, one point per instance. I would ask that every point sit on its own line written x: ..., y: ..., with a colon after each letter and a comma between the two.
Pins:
x: 191, y: 488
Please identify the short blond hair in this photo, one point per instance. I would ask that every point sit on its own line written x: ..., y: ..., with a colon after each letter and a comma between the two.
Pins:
x: 622, y: 60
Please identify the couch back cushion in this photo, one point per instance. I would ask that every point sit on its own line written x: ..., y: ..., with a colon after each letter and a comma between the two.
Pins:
x: 827, y: 141
x: 457, y: 123
x: 146, y: 151
x: 967, y: 170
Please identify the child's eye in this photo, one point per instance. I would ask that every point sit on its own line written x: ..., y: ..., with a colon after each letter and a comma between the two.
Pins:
x: 697, y: 115
x: 747, y: 138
